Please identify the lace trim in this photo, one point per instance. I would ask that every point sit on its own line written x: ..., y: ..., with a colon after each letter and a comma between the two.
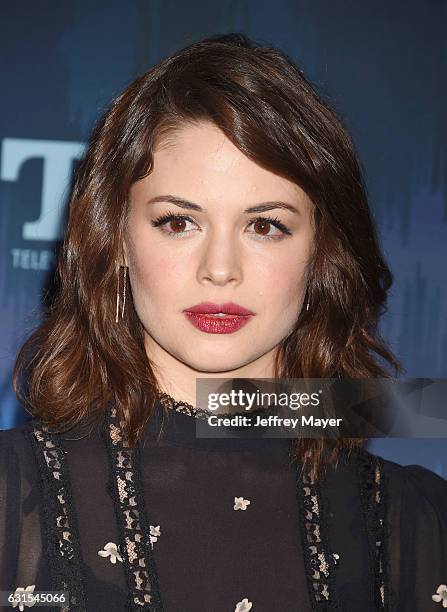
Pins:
x: 319, y: 562
x: 373, y: 494
x: 61, y: 538
x: 180, y: 406
x: 200, y: 413
x: 124, y: 487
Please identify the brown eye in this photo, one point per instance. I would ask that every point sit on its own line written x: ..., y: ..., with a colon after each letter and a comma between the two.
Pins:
x: 173, y: 225
x: 177, y: 224
x: 263, y: 225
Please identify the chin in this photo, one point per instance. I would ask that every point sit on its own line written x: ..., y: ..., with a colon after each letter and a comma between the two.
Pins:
x: 219, y: 363
x: 214, y: 366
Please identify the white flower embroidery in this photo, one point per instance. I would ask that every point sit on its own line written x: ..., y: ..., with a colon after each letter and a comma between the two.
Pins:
x: 20, y: 591
x: 241, y: 504
x: 243, y: 606
x: 441, y: 595
x: 154, y: 534
x: 111, y: 549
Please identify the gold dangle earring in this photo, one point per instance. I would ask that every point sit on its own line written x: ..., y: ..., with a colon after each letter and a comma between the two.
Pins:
x: 307, y: 296
x: 118, y: 293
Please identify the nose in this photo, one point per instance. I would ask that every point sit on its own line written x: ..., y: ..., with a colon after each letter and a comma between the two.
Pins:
x: 220, y: 261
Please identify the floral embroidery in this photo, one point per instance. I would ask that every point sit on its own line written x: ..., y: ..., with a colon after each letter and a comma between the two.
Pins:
x: 441, y: 595
x: 20, y: 591
x: 154, y: 534
x: 241, y: 504
x: 110, y: 549
x: 243, y: 606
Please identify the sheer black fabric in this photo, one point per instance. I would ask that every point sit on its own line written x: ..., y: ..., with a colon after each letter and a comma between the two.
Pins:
x: 186, y: 524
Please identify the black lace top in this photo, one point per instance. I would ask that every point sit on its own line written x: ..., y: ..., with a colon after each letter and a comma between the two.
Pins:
x: 189, y: 524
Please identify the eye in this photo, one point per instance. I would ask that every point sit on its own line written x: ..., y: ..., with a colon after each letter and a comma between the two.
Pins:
x: 263, y: 224
x: 177, y: 223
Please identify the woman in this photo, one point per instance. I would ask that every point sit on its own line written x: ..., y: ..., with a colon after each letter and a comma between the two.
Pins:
x: 218, y: 176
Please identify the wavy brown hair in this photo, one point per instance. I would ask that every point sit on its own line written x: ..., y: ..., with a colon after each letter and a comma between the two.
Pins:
x: 79, y: 359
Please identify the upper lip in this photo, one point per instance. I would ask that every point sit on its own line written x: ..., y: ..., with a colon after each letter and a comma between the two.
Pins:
x: 227, y: 308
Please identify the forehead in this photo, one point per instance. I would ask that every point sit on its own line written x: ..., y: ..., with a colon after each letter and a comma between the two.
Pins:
x: 198, y: 162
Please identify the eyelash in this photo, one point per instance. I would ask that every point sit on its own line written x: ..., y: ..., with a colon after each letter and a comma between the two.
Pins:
x: 170, y: 216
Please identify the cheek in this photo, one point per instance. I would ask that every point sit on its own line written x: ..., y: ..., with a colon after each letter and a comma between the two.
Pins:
x: 153, y: 264
x: 281, y: 283
x: 158, y: 275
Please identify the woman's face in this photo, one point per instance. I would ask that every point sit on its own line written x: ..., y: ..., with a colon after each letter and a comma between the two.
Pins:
x: 213, y: 250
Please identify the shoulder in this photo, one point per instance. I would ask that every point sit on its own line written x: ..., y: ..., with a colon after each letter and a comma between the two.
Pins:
x: 20, y: 446
x: 7, y: 435
x: 31, y: 451
x: 14, y: 441
x: 17, y: 460
x: 403, y: 473
x: 415, y: 491
x: 416, y: 533
x: 17, y: 466
x: 416, y: 479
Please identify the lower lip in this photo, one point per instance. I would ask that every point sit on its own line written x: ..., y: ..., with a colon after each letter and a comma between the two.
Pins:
x: 217, y: 325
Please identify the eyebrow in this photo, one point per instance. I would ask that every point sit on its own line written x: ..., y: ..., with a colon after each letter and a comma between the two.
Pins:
x: 261, y: 207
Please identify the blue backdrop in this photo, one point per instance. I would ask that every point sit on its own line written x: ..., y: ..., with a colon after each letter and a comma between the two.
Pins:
x: 382, y: 66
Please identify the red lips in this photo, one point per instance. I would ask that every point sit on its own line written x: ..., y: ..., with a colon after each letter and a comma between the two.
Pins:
x: 228, y: 308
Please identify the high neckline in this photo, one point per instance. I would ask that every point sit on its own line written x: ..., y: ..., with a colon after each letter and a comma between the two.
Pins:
x: 166, y: 400
x: 181, y: 424
x: 180, y: 406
